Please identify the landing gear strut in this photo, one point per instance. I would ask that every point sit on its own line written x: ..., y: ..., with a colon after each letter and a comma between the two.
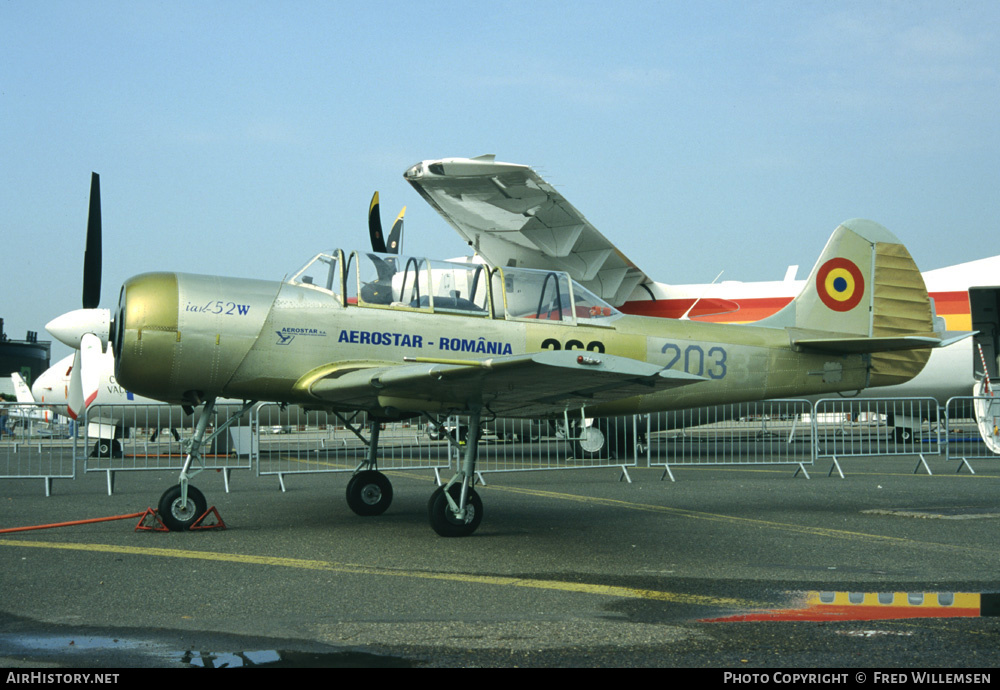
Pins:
x: 369, y: 492
x: 455, y: 509
x: 182, y: 505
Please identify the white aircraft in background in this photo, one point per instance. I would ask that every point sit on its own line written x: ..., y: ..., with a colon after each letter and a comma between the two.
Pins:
x: 28, y: 410
x: 52, y: 388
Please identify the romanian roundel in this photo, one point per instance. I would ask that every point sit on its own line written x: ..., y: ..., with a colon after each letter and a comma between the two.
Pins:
x: 840, y: 284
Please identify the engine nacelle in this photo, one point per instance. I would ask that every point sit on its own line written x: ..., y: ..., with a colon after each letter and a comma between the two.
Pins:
x: 180, y: 337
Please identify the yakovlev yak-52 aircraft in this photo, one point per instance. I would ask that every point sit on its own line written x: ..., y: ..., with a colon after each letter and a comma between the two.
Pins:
x: 438, y: 338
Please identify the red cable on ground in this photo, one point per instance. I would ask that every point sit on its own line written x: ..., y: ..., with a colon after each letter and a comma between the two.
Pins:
x: 69, y: 524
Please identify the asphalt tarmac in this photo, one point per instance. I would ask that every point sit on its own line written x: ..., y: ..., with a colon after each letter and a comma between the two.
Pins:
x: 569, y: 568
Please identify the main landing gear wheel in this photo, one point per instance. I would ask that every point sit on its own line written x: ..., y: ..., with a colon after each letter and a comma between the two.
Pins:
x: 443, y: 519
x: 369, y: 493
x: 178, y: 517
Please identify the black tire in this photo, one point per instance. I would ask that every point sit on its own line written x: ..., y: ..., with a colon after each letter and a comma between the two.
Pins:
x: 107, y: 448
x: 369, y: 493
x: 902, y: 435
x: 176, y: 517
x: 443, y: 520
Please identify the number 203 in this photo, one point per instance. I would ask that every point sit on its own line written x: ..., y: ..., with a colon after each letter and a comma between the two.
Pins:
x: 696, y: 360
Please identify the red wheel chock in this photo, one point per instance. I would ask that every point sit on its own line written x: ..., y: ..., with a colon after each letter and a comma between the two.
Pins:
x: 151, y: 522
x: 200, y: 523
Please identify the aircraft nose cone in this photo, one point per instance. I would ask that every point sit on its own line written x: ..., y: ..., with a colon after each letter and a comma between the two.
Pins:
x: 70, y: 328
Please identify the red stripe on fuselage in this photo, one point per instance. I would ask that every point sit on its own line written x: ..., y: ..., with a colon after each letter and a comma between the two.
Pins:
x: 757, y: 308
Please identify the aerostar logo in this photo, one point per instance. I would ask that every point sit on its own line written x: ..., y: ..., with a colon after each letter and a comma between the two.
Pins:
x: 287, y: 335
x: 840, y: 284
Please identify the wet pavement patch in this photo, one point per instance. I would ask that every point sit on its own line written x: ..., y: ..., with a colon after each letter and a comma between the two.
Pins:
x: 84, y: 650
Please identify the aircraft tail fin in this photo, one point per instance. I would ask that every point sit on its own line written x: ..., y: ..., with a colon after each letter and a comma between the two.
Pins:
x: 21, y: 389
x: 864, y: 284
x: 865, y: 295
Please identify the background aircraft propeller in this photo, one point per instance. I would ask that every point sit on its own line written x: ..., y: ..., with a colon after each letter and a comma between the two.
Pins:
x: 92, y: 250
x: 375, y: 226
x: 379, y: 291
x: 86, y: 330
x: 380, y: 244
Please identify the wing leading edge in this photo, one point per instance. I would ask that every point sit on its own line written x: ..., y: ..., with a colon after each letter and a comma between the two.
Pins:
x: 538, y: 384
x: 512, y: 217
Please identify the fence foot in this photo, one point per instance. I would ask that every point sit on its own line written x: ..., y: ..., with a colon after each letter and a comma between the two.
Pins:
x: 48, y: 486
x: 111, y: 482
x: 966, y: 463
x: 225, y: 478
x: 281, y: 482
x: 666, y: 471
x: 802, y: 469
x: 837, y: 465
x: 924, y: 463
x: 625, y: 475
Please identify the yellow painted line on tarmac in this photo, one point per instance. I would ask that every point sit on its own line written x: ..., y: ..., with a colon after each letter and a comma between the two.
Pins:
x: 356, y: 569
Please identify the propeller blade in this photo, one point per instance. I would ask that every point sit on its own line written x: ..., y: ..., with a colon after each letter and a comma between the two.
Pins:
x: 91, y: 351
x: 395, y: 243
x: 375, y: 226
x: 74, y: 400
x: 92, y: 251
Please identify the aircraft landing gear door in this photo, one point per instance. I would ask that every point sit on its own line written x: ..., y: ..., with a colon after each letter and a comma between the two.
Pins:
x: 985, y: 307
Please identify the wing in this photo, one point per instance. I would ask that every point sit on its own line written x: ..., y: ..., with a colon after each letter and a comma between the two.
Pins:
x: 511, y: 216
x: 538, y: 384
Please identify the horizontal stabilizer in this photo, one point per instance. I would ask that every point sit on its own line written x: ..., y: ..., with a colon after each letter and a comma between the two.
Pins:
x: 853, y: 345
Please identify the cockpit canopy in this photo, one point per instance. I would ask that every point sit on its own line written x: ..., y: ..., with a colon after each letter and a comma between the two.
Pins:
x: 368, y: 279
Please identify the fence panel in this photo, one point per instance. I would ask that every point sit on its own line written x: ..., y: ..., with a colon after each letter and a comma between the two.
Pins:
x: 867, y: 427
x: 36, y: 443
x: 771, y: 432
x: 291, y: 441
x: 967, y: 417
x: 131, y: 437
x: 571, y: 442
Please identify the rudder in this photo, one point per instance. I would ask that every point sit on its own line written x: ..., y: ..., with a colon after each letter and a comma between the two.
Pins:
x: 865, y: 284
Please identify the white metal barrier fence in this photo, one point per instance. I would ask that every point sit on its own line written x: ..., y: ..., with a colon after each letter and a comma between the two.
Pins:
x: 292, y: 441
x: 570, y: 442
x: 864, y: 427
x: 774, y: 432
x: 130, y: 437
x: 36, y: 443
x: 33, y: 444
x: 965, y: 428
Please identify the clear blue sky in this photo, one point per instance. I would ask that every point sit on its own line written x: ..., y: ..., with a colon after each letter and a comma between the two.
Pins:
x: 240, y: 138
